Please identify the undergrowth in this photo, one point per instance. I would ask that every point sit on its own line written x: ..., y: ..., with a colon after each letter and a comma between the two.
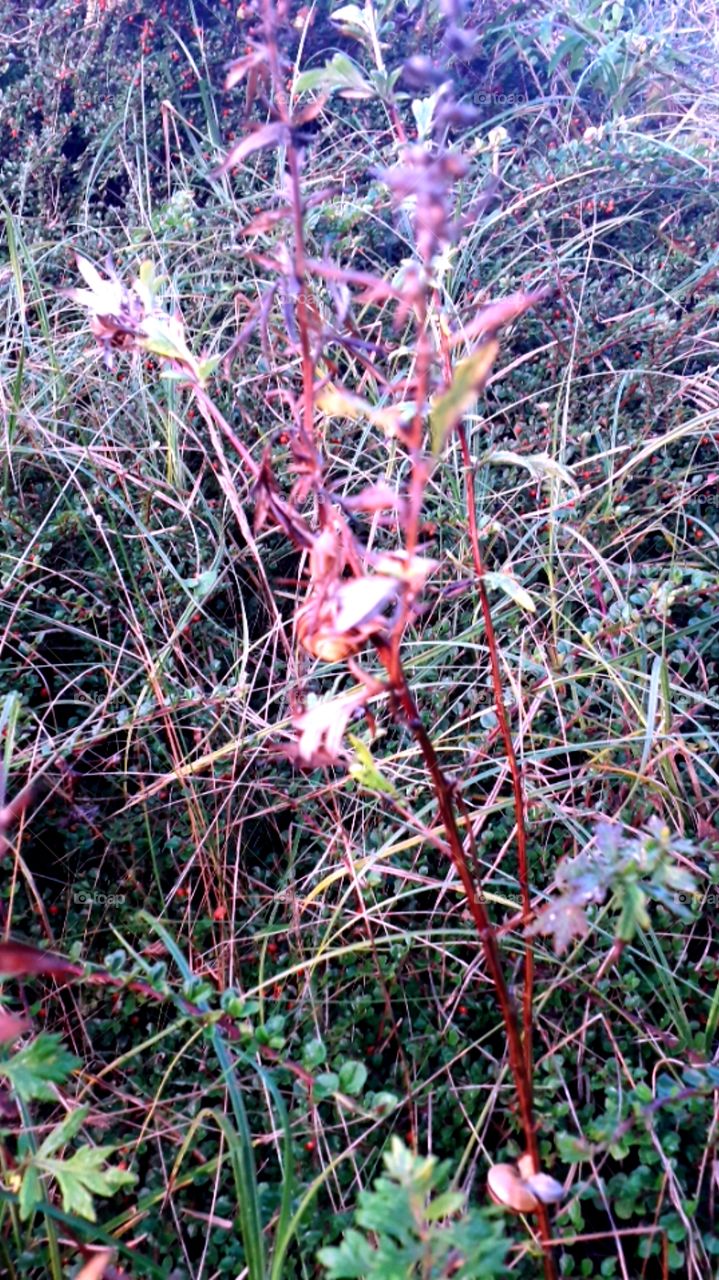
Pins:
x: 273, y: 924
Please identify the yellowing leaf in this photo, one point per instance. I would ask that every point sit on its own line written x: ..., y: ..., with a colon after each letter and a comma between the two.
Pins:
x: 509, y: 585
x: 540, y: 465
x: 470, y: 377
x: 364, y: 769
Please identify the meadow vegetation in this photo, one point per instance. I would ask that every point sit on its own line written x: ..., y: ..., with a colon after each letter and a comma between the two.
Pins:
x: 359, y: 657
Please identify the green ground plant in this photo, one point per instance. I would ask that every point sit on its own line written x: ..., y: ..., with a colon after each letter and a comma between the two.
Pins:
x: 314, y: 851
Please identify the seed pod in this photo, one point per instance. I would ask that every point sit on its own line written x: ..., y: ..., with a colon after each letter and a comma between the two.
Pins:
x: 323, y: 641
x: 546, y: 1189
x: 508, y: 1189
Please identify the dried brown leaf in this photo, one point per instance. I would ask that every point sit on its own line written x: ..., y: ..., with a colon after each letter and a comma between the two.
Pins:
x: 497, y: 314
x: 562, y: 921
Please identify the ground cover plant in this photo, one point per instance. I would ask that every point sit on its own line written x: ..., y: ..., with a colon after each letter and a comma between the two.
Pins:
x: 359, y: 658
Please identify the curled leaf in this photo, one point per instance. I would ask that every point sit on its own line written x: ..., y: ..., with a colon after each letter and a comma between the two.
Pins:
x: 268, y: 135
x: 322, y: 728
x: 540, y: 465
x: 519, y: 1189
x: 545, y: 1188
x: 509, y: 585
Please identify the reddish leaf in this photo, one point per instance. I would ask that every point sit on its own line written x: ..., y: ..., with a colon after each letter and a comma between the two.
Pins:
x: 11, y: 1027
x: 375, y: 497
x: 238, y: 69
x: 497, y: 314
x: 96, y: 1266
x: 265, y: 221
x: 19, y: 960
x: 270, y: 135
x: 561, y: 921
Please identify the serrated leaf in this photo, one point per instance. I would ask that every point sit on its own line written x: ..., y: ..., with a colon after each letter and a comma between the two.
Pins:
x: 407, y: 1233
x: 83, y: 1176
x: 444, y: 1205
x: 63, y: 1132
x: 509, y: 585
x: 562, y: 921
x: 469, y: 378
x: 33, y: 1070
x: 350, y: 1260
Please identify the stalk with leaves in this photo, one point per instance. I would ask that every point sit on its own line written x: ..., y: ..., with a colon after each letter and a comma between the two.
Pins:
x: 359, y: 596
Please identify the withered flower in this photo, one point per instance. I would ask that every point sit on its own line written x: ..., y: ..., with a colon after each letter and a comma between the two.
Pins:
x: 130, y: 318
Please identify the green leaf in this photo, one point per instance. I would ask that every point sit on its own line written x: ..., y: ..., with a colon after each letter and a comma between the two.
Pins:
x: 37, y: 1066
x: 444, y: 1205
x: 30, y: 1192
x: 63, y: 1132
x: 326, y: 1085
x: 353, y: 1077
x: 469, y: 378
x: 634, y: 913
x: 314, y: 1053
x: 340, y: 75
x: 364, y: 769
x: 350, y: 1260
x: 409, y: 1228
x: 83, y: 1176
x: 206, y: 367
x: 509, y: 585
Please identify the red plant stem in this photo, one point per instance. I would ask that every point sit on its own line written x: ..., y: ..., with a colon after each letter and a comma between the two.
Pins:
x: 389, y: 655
x: 298, y: 212
x: 209, y: 409
x: 513, y: 763
x: 419, y: 476
x: 303, y: 325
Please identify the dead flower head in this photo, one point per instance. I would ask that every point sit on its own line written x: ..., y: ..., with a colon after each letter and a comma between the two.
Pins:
x: 521, y: 1188
x: 341, y: 614
x: 130, y: 318
x: 322, y: 728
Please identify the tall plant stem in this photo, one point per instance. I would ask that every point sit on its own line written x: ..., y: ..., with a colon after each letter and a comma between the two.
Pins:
x: 390, y: 658
x: 513, y: 763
